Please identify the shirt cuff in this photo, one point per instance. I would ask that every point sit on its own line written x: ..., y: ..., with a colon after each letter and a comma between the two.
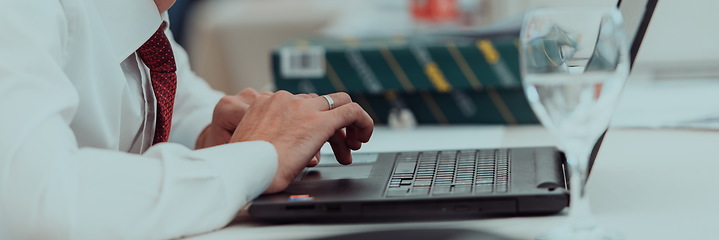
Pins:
x: 246, y: 168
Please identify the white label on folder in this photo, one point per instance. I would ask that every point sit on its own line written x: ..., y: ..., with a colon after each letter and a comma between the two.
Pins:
x: 302, y: 62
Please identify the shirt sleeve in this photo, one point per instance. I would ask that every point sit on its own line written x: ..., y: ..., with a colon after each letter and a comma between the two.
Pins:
x: 52, y: 189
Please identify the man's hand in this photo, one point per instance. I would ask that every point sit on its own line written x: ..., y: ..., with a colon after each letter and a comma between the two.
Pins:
x: 227, y: 114
x: 298, y: 126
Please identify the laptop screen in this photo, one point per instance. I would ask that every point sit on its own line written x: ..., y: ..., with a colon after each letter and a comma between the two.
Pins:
x: 637, y: 14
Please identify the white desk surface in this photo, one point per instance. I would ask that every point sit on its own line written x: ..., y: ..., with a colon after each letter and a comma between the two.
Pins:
x: 646, y: 184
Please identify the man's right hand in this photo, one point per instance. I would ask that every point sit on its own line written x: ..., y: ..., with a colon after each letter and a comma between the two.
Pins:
x: 298, y: 126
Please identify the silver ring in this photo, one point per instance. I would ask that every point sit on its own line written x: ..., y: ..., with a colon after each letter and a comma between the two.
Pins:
x: 330, y: 101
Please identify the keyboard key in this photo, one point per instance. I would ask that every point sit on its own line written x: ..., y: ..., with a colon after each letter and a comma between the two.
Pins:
x: 462, y: 189
x: 403, y: 176
x: 450, y: 172
x: 467, y: 182
x: 402, y: 191
x: 441, y: 190
x: 483, y: 181
x: 419, y: 191
x: 420, y: 183
x: 405, y: 167
x: 424, y: 176
x: 485, y: 188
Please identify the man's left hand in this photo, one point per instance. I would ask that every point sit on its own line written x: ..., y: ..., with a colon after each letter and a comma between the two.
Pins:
x: 228, y: 112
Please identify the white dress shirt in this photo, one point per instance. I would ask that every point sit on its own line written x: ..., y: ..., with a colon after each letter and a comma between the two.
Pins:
x: 77, y: 115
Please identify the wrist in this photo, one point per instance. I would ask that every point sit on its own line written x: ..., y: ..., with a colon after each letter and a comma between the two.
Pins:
x: 202, y: 138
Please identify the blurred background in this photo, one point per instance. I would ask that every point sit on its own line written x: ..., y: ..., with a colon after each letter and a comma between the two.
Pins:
x: 230, y: 41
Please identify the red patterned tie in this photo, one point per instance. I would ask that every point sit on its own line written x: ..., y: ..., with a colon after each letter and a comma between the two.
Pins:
x: 157, y: 55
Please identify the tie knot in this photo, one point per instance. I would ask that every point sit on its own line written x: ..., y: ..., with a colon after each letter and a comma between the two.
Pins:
x: 157, y: 52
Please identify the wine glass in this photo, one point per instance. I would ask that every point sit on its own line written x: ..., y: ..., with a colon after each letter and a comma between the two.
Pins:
x: 574, y: 63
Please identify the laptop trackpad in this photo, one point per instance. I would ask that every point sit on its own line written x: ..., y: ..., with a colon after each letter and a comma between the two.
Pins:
x: 337, y: 172
x: 329, y: 169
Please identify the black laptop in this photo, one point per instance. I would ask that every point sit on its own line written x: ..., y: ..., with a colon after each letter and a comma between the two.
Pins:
x: 437, y: 184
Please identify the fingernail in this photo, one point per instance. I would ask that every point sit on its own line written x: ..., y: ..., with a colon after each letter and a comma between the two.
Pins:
x: 314, y: 160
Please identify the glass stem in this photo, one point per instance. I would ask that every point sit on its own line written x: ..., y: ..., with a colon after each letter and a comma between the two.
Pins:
x: 580, y: 213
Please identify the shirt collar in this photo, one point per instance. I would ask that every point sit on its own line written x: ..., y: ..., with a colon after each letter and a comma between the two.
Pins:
x: 129, y: 23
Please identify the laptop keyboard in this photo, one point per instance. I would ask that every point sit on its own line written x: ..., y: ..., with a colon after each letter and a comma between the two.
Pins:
x: 450, y: 173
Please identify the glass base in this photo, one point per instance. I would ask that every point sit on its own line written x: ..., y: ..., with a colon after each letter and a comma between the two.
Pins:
x: 569, y: 233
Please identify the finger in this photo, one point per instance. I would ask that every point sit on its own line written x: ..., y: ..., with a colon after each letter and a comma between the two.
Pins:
x: 315, y: 160
x: 303, y: 95
x: 248, y: 95
x: 352, y: 138
x: 248, y: 92
x: 339, y: 147
x: 230, y: 100
x: 229, y: 111
x: 354, y: 118
x: 338, y: 98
